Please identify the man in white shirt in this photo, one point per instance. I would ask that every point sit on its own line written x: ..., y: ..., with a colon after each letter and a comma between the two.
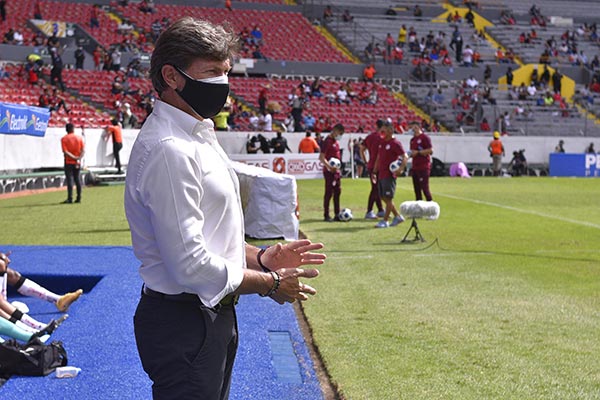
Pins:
x: 187, y: 227
x: 468, y: 56
x: 342, y: 95
x: 472, y: 82
x: 266, y: 121
x: 531, y: 90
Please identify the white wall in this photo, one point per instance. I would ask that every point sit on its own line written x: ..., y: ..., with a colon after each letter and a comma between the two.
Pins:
x: 28, y: 152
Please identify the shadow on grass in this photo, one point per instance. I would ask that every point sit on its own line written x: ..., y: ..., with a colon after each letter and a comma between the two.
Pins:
x: 53, y: 204
x: 96, y: 231
x: 410, y: 247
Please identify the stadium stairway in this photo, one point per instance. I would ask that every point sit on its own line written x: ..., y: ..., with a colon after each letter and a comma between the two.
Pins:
x: 337, y: 44
x: 402, y: 98
x: 481, y: 24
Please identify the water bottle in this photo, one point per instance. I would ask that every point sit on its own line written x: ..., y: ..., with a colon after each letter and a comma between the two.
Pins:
x: 67, y: 372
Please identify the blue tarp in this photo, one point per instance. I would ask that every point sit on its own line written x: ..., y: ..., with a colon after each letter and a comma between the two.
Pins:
x: 23, y: 120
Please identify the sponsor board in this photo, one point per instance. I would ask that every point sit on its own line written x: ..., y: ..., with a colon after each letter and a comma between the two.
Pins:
x: 23, y: 120
x: 566, y: 164
x: 301, y: 166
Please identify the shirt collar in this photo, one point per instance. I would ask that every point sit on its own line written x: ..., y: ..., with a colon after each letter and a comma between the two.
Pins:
x: 185, y: 121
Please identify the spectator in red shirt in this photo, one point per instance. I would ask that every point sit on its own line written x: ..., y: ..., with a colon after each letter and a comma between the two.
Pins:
x: 37, y: 11
x: 331, y: 149
x: 398, y: 55
x: 484, y: 126
x: 56, y: 102
x: 44, y: 99
x: 263, y: 98
x: 94, y: 23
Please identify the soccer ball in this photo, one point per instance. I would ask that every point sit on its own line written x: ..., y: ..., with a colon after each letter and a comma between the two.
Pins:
x: 395, y: 165
x: 335, y: 163
x: 345, y: 215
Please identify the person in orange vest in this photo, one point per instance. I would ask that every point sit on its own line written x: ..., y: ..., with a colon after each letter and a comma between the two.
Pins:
x: 114, y: 131
x: 496, y: 149
x: 308, y: 145
x: 369, y: 73
x: 74, y: 149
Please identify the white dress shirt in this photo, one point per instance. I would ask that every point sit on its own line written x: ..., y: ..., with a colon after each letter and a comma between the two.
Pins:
x: 183, y: 206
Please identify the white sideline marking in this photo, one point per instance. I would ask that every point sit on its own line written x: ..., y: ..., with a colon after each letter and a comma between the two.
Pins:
x: 539, y: 214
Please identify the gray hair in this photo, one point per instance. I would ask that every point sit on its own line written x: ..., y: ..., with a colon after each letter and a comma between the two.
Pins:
x: 187, y: 40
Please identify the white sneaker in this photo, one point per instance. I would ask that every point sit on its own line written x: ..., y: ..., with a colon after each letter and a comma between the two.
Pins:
x: 397, y: 220
x: 382, y: 224
x: 370, y: 215
x: 381, y: 214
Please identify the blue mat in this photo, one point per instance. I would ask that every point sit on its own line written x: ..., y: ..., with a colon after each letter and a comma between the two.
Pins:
x: 272, y: 363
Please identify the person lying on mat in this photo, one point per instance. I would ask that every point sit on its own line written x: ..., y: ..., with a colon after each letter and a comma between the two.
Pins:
x: 10, y: 329
x: 27, y: 287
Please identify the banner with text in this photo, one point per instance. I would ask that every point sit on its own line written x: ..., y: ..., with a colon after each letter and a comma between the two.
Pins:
x: 566, y: 164
x: 23, y: 120
x: 301, y: 166
x: 51, y: 27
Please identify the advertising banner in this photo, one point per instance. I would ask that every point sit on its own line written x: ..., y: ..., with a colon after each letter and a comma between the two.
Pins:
x: 567, y: 164
x: 300, y: 166
x: 23, y: 120
x: 51, y: 27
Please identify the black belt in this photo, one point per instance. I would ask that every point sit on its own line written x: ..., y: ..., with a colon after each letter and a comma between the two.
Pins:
x: 228, y: 300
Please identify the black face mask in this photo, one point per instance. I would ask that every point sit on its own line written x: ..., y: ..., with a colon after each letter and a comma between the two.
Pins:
x: 206, y: 97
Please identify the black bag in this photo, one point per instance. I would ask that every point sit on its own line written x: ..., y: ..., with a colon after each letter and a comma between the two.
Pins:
x: 32, y: 359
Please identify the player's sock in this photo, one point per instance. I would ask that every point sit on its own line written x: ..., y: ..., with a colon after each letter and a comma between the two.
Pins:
x: 25, y: 327
x: 29, y: 288
x: 3, y: 279
x: 49, y: 329
x: 7, y: 328
x: 26, y: 319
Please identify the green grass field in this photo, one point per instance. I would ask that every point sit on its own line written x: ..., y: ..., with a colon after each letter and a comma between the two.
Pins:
x: 501, y: 302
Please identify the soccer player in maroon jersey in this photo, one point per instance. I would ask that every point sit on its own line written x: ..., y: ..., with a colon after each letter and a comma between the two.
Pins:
x: 390, y: 150
x: 421, y: 151
x: 371, y: 144
x: 331, y: 149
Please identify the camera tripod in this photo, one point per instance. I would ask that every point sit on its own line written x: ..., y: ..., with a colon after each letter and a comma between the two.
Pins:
x: 418, y: 236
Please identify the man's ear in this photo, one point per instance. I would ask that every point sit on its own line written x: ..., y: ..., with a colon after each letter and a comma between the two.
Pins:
x: 170, y: 75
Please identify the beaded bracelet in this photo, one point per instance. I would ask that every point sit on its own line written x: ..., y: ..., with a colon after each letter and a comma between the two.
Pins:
x: 276, y: 283
x: 258, y: 260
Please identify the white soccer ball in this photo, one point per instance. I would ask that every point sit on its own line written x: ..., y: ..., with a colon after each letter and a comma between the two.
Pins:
x: 345, y: 215
x: 334, y: 163
x: 395, y: 165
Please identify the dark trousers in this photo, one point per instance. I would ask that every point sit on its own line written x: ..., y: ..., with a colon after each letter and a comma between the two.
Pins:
x: 116, y: 149
x: 56, y: 78
x: 333, y: 188
x: 186, y: 348
x: 374, y: 198
x: 297, y: 116
x: 72, y: 176
x: 421, y: 184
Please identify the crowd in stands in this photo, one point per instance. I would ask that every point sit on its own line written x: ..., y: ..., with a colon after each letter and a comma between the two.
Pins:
x: 422, y: 49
